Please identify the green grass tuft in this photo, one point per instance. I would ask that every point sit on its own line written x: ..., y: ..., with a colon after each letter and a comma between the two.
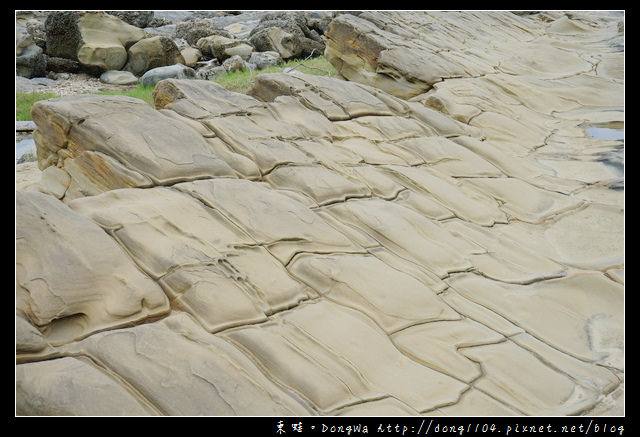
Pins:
x: 243, y: 81
x: 139, y: 92
x: 238, y: 81
x: 24, y: 102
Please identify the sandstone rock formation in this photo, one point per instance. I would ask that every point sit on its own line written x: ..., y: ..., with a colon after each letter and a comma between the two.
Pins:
x: 288, y: 34
x: 440, y: 235
x: 96, y: 39
x: 153, y: 52
x: 92, y: 42
x: 222, y: 48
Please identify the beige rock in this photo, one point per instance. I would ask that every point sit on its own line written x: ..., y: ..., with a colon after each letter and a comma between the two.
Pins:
x: 54, y: 181
x: 72, y: 279
x: 474, y: 402
x: 183, y: 370
x: 365, y: 283
x: 439, y: 345
x: 191, y: 56
x: 512, y: 384
x: 504, y: 259
x: 382, y: 407
x: 464, y: 201
x: 318, y: 182
x: 110, y: 142
x: 314, y: 327
x: 407, y: 234
x: 282, y: 224
x: 163, y: 228
x: 28, y: 338
x: 57, y: 388
x: 605, y: 227
x: 222, y: 48
x: 524, y: 201
x: 27, y: 175
x: 104, y: 40
x: 560, y: 311
x: 148, y: 53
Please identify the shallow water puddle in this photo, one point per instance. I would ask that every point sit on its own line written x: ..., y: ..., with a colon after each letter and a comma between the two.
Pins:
x: 605, y: 133
x: 25, y: 145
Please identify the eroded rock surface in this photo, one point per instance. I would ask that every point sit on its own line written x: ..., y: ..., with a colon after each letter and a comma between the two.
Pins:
x: 440, y: 235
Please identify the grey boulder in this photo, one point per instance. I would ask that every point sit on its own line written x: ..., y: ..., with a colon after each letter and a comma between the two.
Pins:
x: 176, y: 71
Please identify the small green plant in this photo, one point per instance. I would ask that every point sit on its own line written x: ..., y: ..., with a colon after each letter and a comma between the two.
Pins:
x: 242, y: 81
x: 238, y: 81
x: 24, y: 102
x: 144, y: 93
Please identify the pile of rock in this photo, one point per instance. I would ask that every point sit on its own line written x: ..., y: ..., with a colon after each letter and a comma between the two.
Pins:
x: 125, y: 47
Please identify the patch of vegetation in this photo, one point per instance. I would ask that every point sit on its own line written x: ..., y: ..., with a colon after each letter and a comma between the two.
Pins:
x: 24, y: 102
x: 242, y: 81
x: 238, y: 81
x: 139, y: 92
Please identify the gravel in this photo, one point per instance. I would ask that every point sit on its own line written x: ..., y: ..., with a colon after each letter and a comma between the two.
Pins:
x: 71, y: 85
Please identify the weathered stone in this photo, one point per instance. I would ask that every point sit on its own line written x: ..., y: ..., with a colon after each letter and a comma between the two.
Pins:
x: 28, y: 338
x: 56, y: 388
x: 150, y: 53
x: 191, y: 56
x: 26, y: 85
x: 363, y: 282
x: 100, y: 288
x: 574, y: 297
x: 193, y: 30
x: 234, y: 63
x: 210, y: 71
x: 286, y: 33
x: 63, y: 35
x: 139, y: 19
x: 118, y: 77
x: 263, y: 60
x: 113, y: 142
x: 95, y: 39
x: 222, y: 48
x: 393, y: 52
x: 186, y: 371
x: 176, y: 71
x: 62, y: 65
x: 30, y: 59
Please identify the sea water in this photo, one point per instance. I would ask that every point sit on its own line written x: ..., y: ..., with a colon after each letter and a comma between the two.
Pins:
x: 605, y: 133
x: 25, y: 145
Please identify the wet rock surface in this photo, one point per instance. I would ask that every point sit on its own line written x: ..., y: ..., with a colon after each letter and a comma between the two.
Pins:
x: 449, y: 245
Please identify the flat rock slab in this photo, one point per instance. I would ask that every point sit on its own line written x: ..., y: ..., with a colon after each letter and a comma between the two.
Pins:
x: 439, y: 235
x: 115, y: 142
x: 72, y: 278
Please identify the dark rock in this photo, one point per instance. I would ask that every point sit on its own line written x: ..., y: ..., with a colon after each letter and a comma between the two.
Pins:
x: 177, y: 71
x: 192, y: 31
x: 135, y: 18
x: 318, y: 20
x: 62, y: 34
x: 287, y: 33
x: 62, y: 65
x: 31, y: 62
x: 26, y: 85
x: 264, y: 59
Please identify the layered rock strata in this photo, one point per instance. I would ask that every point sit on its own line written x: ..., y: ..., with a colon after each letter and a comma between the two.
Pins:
x: 329, y: 247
